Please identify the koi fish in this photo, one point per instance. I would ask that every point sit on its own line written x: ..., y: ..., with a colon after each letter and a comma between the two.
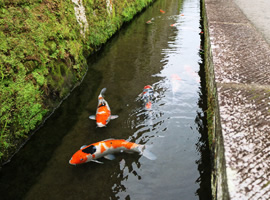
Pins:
x: 147, y: 96
x: 192, y: 73
x: 175, y: 81
x: 162, y: 11
x: 149, y: 22
x: 103, y: 114
x: 106, y: 149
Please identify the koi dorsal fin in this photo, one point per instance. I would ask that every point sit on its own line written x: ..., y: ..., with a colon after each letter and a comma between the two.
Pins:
x: 108, y: 139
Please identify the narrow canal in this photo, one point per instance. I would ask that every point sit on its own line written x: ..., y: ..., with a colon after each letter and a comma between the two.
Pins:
x: 163, y: 53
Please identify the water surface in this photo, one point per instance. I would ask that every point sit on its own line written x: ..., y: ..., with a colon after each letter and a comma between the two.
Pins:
x: 164, y: 53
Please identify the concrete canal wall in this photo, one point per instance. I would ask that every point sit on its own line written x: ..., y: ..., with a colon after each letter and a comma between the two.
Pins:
x: 238, y: 69
x: 43, y: 51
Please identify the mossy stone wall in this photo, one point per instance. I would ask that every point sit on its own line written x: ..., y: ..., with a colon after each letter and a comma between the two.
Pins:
x: 43, y: 52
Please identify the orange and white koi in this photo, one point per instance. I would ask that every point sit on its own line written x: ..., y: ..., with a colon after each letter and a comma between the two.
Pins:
x: 106, y: 149
x: 147, y: 96
x: 103, y: 114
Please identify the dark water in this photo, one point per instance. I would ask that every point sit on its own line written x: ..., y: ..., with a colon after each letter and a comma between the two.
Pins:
x: 164, y: 56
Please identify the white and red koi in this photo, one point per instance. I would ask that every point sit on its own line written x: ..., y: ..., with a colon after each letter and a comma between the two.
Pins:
x: 147, y: 96
x: 103, y: 114
x: 106, y: 149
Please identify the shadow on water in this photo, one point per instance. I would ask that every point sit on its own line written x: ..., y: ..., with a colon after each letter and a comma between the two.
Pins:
x: 175, y: 130
x: 204, y: 166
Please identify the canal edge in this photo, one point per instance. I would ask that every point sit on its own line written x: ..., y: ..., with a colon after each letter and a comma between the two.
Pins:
x: 237, y: 65
x: 219, y: 186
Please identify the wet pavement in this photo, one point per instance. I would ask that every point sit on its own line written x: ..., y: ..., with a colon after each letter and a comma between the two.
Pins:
x: 241, y: 60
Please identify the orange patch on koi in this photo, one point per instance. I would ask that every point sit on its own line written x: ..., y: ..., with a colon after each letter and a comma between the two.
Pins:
x: 162, y: 11
x: 102, y: 148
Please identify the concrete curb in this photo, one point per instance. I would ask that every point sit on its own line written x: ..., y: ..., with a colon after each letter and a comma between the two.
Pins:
x: 238, y: 71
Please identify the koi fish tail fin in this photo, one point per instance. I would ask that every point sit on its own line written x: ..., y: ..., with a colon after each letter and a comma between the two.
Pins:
x: 102, y: 92
x: 146, y: 153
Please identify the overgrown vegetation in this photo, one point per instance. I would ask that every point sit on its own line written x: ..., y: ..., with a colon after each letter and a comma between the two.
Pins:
x: 42, y: 57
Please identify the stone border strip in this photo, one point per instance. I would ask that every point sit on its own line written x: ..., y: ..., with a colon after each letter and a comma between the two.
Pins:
x: 240, y: 60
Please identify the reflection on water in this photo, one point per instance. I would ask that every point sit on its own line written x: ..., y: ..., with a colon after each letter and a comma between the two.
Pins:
x: 164, y: 53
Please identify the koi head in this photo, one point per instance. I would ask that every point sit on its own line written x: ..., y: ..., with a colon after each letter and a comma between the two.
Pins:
x: 78, y: 158
x: 85, y: 154
x: 147, y: 87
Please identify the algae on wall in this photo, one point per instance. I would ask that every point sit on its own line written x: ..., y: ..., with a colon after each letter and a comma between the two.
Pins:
x: 219, y: 185
x: 42, y: 56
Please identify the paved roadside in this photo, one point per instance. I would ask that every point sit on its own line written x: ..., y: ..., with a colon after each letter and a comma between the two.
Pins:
x: 258, y: 12
x: 240, y: 53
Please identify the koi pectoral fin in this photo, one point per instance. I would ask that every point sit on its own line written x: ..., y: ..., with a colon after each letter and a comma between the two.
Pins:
x: 114, y: 116
x: 93, y: 117
x: 110, y: 157
x: 97, y: 161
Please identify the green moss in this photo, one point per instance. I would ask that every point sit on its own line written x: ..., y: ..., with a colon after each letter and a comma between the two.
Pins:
x: 209, y: 75
x: 108, y: 23
x: 34, y: 35
x: 42, y: 56
x: 210, y: 119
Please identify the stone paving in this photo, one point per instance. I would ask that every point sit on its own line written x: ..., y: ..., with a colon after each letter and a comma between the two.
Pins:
x: 241, y: 60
